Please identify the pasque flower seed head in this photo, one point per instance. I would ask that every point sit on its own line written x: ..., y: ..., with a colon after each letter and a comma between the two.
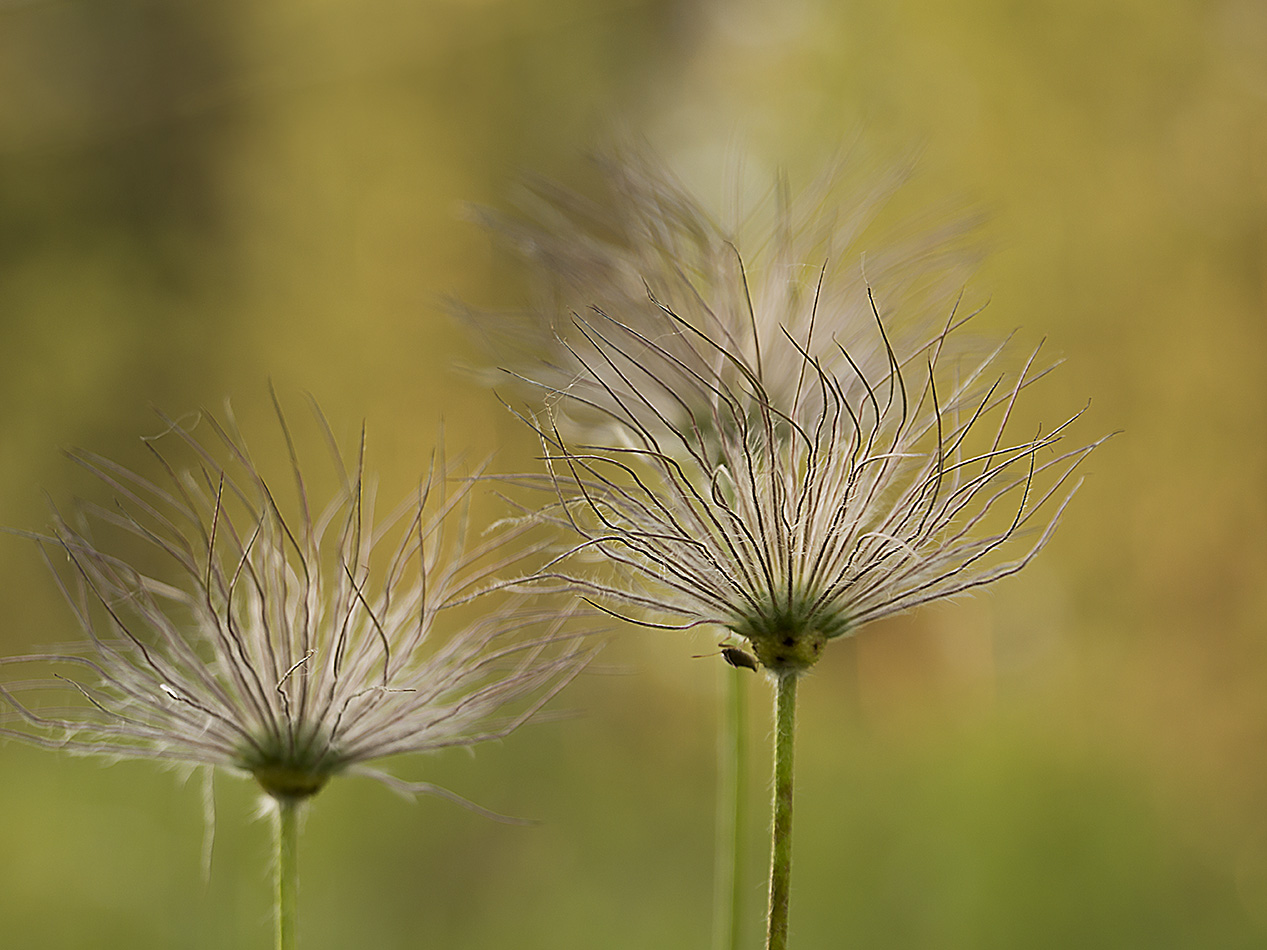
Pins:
x: 772, y: 451
x: 292, y: 640
x: 643, y: 239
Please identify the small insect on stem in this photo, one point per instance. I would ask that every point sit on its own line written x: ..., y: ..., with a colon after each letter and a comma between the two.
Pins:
x: 735, y: 657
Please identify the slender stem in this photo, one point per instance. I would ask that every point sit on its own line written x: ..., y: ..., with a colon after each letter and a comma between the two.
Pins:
x: 287, y: 871
x: 740, y: 873
x: 781, y: 845
x: 729, y: 870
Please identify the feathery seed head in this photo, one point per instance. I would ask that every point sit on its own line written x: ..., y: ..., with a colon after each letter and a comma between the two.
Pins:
x: 644, y: 243
x: 774, y: 455
x: 289, y: 641
x: 794, y: 524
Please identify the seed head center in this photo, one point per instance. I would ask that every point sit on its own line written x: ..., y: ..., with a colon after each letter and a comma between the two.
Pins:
x: 293, y: 765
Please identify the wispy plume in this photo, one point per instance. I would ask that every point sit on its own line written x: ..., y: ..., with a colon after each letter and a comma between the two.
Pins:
x: 643, y: 241
x: 792, y: 523
x: 754, y: 437
x: 765, y: 436
x: 272, y: 629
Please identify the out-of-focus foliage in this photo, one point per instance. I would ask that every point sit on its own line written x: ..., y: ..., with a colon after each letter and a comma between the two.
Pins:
x: 197, y: 197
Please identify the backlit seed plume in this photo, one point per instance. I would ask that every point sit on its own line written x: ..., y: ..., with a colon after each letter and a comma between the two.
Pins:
x: 644, y: 240
x: 778, y: 454
x: 792, y: 524
x: 280, y: 630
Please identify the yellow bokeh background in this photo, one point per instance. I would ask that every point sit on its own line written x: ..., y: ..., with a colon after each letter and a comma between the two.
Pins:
x: 198, y: 198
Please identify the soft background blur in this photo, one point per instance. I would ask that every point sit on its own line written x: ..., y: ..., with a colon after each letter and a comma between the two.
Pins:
x: 198, y: 197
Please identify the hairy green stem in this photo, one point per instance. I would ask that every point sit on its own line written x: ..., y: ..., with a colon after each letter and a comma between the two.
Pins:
x: 287, y: 871
x: 729, y: 869
x: 781, y: 843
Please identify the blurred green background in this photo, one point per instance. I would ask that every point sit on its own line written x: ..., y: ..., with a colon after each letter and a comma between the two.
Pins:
x: 197, y: 197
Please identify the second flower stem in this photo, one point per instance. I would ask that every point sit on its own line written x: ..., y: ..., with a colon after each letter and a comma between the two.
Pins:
x: 730, y: 867
x: 287, y: 871
x: 781, y: 839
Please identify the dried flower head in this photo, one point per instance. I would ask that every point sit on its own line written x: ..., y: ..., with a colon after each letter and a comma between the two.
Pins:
x: 279, y: 639
x: 793, y: 524
x: 644, y: 239
x: 774, y: 458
